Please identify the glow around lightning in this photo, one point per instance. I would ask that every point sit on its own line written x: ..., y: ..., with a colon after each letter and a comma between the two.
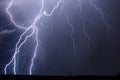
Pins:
x: 33, y: 27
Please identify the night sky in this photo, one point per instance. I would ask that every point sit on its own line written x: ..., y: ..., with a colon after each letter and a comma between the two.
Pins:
x: 97, y: 49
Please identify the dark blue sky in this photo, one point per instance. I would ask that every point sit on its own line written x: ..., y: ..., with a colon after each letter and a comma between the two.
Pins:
x: 55, y: 54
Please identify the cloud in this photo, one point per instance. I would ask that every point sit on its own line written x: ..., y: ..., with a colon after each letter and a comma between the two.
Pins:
x: 3, y: 32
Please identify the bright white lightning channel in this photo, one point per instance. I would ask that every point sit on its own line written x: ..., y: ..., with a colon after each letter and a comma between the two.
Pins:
x: 33, y: 26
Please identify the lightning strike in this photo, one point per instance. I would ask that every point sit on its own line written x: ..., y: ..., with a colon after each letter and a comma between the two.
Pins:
x: 34, y: 31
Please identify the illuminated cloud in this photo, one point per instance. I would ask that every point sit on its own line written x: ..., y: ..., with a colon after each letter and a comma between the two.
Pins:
x: 3, y: 32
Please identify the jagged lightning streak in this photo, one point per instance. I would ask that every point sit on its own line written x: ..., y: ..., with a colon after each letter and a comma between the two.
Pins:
x: 36, y: 19
x: 83, y: 23
x: 72, y: 31
x: 92, y: 2
x: 71, y: 35
x: 34, y: 31
x: 10, y: 15
x: 71, y: 27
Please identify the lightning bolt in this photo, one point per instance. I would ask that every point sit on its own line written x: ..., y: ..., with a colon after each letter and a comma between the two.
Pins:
x: 34, y: 31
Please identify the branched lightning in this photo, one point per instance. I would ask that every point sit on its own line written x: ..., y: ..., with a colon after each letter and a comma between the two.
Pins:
x: 83, y: 23
x: 34, y: 31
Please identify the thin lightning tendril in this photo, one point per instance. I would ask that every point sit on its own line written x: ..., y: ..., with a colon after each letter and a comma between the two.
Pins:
x: 102, y: 15
x: 71, y: 27
x: 83, y: 23
x: 10, y: 15
x: 72, y: 31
